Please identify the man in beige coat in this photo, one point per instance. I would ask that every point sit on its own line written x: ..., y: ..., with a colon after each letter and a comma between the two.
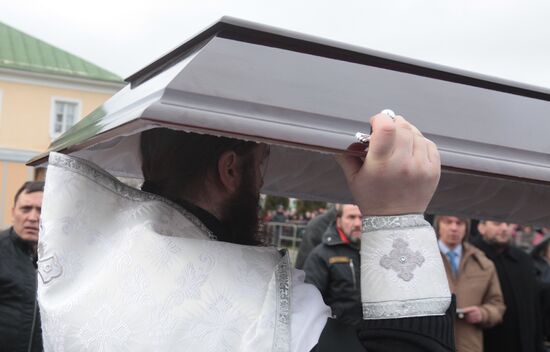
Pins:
x: 473, y: 279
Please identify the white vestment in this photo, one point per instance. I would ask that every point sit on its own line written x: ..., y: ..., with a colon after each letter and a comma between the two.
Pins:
x: 124, y: 270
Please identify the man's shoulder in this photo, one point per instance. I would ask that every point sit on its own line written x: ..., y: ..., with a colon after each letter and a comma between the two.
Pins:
x: 521, y: 256
x: 331, y: 237
x: 317, y: 256
x: 323, y: 220
x: 332, y: 245
x: 5, y: 235
x: 484, y: 249
x: 327, y: 251
x: 519, y: 253
x: 478, y: 255
x: 324, y: 250
x: 6, y: 244
x: 321, y: 250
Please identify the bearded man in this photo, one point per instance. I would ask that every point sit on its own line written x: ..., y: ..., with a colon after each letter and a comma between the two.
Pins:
x: 333, y: 266
x: 179, y: 266
x: 521, y: 327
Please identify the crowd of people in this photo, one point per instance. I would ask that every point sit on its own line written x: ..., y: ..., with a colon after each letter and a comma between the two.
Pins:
x: 500, y: 293
x: 527, y: 237
x: 499, y: 273
x: 282, y: 214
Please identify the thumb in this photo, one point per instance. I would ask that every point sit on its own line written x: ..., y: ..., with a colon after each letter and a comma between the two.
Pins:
x: 383, y: 137
x: 469, y: 309
x: 349, y: 164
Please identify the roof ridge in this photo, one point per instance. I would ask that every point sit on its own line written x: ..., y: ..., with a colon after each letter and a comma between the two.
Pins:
x: 22, y: 51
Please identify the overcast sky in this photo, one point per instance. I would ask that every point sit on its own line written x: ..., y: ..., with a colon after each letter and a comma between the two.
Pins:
x: 503, y: 38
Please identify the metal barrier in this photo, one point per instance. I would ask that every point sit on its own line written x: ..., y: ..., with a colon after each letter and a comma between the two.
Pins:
x: 279, y: 232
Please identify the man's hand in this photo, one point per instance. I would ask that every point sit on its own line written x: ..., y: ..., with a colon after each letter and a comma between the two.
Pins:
x: 400, y: 173
x: 472, y: 314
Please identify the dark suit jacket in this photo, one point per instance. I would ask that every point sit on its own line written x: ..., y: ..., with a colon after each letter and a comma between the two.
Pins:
x: 19, y: 316
x: 521, y: 328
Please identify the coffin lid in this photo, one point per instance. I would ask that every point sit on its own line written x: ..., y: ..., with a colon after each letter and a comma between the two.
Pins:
x: 307, y: 97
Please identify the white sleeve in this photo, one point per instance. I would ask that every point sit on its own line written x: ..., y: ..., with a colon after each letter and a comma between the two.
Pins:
x: 309, y: 314
x: 402, y: 273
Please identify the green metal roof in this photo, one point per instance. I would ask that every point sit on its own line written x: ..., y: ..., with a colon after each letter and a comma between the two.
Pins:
x: 20, y: 51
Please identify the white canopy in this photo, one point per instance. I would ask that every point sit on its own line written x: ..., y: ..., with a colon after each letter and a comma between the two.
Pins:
x: 307, y: 97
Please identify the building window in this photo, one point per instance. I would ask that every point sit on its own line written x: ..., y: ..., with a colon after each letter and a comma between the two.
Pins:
x: 65, y: 114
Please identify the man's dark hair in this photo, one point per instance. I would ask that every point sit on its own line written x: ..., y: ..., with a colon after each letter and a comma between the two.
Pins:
x: 29, y: 187
x: 177, y: 162
x: 339, y: 210
x: 438, y: 218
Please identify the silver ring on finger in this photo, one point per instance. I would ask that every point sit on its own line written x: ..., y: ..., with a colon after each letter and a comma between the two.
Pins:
x: 363, y: 137
x: 389, y: 112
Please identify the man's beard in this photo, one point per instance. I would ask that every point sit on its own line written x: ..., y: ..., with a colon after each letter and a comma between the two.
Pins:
x: 499, y: 246
x: 241, y: 214
x: 356, y: 240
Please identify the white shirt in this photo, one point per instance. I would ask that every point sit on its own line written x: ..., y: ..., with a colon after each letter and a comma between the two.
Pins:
x: 309, y: 314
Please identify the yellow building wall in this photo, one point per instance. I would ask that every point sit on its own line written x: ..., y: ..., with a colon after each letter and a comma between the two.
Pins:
x: 12, y: 176
x: 26, y: 113
x: 25, y: 118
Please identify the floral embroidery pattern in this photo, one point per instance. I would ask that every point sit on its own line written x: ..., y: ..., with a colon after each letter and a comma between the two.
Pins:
x: 402, y: 260
x: 54, y: 330
x: 105, y: 331
x: 218, y: 326
x: 154, y: 281
x: 374, y: 223
x: 397, y: 309
x: 192, y: 279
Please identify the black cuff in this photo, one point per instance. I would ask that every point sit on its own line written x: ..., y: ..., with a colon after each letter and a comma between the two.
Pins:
x: 338, y: 336
x: 432, y: 333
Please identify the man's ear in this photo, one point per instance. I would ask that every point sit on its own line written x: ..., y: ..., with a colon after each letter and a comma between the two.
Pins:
x: 338, y: 222
x: 228, y: 171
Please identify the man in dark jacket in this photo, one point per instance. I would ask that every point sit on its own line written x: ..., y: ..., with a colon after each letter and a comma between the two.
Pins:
x: 521, y: 325
x: 313, y: 236
x: 19, y: 317
x: 333, y: 266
